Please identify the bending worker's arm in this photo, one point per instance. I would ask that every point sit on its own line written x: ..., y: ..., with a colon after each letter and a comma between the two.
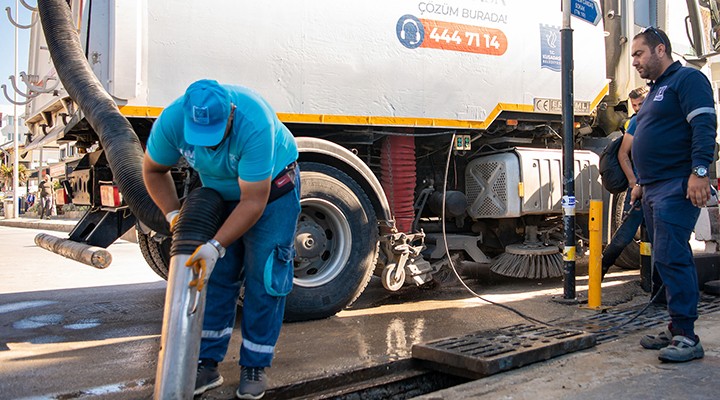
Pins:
x: 160, y: 185
x: 253, y: 198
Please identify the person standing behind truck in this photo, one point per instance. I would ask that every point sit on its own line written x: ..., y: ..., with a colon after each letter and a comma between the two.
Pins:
x: 672, y: 149
x: 233, y: 139
x: 633, y: 219
x: 46, y: 190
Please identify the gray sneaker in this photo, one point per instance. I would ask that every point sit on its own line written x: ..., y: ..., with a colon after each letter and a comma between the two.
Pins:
x: 252, y: 383
x: 657, y: 342
x: 682, y: 349
x: 207, y: 377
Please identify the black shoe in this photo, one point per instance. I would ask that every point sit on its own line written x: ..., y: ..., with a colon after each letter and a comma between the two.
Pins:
x: 252, y: 383
x: 208, y: 377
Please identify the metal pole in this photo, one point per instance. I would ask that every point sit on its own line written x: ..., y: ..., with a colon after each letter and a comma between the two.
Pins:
x: 568, y: 118
x: 646, y: 275
x: 16, y: 127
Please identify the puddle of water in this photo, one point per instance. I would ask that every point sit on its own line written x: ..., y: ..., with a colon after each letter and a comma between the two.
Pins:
x: 83, y: 324
x: 38, y: 321
x: 23, y: 305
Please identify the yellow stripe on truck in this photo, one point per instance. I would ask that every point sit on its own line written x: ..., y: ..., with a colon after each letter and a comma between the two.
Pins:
x: 145, y: 112
x: 133, y: 111
x: 605, y: 90
x: 403, y: 121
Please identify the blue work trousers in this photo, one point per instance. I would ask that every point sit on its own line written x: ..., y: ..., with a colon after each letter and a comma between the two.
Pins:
x: 263, y: 258
x: 670, y: 219
x: 624, y: 235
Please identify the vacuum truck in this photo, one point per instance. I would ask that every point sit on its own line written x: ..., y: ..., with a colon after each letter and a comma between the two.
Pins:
x: 392, y: 104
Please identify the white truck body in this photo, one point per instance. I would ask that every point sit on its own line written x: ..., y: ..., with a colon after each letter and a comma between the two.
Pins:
x: 342, y: 62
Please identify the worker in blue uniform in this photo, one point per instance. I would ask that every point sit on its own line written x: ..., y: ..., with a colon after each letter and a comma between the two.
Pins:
x: 633, y: 212
x: 673, y: 147
x: 234, y: 140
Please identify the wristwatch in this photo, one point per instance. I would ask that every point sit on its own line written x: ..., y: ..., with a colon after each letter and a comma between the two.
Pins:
x: 218, y: 247
x: 700, y: 171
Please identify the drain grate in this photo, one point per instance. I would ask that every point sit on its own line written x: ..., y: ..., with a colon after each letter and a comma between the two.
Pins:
x: 484, y: 353
x: 655, y: 315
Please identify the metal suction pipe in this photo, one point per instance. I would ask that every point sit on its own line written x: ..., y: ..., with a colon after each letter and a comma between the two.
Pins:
x: 200, y: 218
x: 180, y: 340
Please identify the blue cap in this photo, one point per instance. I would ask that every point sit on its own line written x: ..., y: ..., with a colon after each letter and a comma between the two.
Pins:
x: 206, y: 106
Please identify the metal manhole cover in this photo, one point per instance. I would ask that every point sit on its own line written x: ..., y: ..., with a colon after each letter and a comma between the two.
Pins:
x: 484, y: 353
x: 614, y: 324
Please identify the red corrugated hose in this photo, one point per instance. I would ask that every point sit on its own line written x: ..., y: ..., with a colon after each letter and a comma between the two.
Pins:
x: 398, y: 178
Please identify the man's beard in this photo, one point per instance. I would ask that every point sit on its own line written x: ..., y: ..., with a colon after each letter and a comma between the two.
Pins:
x: 652, y: 68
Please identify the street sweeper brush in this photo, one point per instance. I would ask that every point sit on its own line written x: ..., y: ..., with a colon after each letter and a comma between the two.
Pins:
x: 531, y: 261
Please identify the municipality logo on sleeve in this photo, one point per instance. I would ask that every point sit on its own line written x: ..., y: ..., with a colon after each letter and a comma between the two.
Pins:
x: 201, y: 115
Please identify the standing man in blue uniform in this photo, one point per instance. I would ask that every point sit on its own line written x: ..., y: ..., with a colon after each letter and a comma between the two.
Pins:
x: 673, y: 147
x: 234, y: 140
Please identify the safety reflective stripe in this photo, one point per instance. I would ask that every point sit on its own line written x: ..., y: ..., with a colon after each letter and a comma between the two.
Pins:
x: 258, y: 348
x: 217, y: 334
x: 702, y: 110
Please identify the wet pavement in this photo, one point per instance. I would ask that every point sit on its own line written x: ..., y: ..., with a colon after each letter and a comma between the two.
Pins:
x: 69, y: 331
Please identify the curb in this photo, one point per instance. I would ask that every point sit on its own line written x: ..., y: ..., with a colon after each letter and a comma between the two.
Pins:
x: 57, y: 225
x: 42, y: 225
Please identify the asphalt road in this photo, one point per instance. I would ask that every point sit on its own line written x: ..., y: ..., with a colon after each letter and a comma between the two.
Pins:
x: 68, y: 331
x: 65, y: 326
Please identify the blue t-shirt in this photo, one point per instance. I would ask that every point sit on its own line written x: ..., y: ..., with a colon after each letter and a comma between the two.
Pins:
x: 631, y: 126
x: 259, y: 146
x: 676, y: 126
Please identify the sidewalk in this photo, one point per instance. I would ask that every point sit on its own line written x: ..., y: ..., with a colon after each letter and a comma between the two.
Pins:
x: 56, y: 223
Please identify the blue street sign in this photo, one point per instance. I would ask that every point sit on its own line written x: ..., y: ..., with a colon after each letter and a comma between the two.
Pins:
x: 587, y: 10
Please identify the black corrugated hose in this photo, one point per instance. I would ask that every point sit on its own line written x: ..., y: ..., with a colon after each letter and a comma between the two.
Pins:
x: 122, y: 146
x: 200, y: 217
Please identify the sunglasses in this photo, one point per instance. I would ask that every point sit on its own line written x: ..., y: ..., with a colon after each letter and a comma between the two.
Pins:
x: 655, y: 31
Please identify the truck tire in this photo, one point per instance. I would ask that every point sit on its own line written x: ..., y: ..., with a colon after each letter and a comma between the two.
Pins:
x: 157, y: 255
x: 336, y: 244
x: 630, y: 257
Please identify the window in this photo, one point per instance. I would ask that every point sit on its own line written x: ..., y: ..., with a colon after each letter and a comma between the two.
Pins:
x: 712, y: 7
x: 646, y: 12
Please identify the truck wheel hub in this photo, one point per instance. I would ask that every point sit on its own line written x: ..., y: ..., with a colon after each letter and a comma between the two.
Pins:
x: 310, y: 241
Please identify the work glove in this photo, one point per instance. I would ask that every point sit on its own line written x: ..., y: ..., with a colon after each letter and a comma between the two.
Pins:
x: 172, y: 218
x: 202, y: 261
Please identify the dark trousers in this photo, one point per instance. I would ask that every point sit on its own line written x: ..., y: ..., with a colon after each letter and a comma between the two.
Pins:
x: 670, y: 219
x: 263, y: 258
x: 45, y: 204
